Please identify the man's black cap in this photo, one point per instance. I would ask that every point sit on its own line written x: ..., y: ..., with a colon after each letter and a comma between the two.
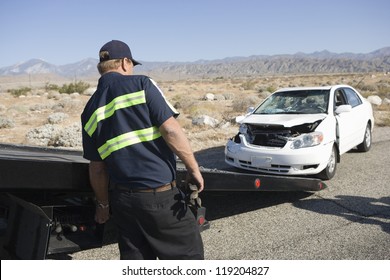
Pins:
x: 116, y: 50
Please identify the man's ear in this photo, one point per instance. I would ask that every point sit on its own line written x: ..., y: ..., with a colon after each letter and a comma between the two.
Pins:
x: 123, y: 64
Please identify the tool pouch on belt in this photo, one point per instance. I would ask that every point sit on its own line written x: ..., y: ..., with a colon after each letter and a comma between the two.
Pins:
x: 195, y: 204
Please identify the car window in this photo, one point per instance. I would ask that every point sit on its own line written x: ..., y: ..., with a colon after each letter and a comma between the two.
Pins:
x: 339, y: 98
x: 352, y: 98
x: 295, y: 102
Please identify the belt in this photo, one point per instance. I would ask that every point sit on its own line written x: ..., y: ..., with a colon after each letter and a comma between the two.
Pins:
x: 162, y: 188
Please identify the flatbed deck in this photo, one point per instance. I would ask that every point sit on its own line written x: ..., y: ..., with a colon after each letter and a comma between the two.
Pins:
x: 41, y: 168
x: 46, y: 200
x: 37, y: 168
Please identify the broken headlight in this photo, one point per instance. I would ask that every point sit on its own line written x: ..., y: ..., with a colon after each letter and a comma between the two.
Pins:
x: 307, y: 140
x: 246, y: 131
x: 243, y: 129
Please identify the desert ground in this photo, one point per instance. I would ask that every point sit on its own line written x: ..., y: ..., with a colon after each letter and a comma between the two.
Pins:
x: 27, y: 118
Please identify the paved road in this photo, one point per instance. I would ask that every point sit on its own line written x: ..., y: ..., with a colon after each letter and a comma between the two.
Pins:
x: 348, y: 220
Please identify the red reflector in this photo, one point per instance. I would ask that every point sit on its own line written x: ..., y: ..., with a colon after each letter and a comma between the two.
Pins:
x: 82, y: 228
x: 201, y: 220
x: 257, y: 183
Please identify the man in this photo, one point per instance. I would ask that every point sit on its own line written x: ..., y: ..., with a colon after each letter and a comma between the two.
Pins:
x: 131, y: 136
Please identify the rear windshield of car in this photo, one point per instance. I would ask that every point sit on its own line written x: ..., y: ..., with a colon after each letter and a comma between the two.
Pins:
x: 295, y: 102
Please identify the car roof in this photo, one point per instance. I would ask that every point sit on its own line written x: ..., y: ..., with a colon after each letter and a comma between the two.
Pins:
x: 311, y: 88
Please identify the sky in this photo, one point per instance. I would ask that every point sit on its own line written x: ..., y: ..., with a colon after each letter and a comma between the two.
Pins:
x: 67, y: 31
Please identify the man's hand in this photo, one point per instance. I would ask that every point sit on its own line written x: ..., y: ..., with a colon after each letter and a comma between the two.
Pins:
x: 102, y: 215
x: 195, y: 178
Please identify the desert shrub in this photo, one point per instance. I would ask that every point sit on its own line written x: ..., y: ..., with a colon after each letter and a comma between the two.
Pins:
x: 383, y: 89
x: 19, y: 92
x: 79, y: 87
x: 386, y: 121
x: 57, y: 118
x: 365, y: 87
x: 204, y: 108
x: 182, y: 103
x: 69, y: 136
x: 185, y: 123
x: 49, y: 87
x: 6, y: 123
x: 383, y: 107
x: 67, y: 104
x: 241, y: 105
x: 271, y: 89
x: 228, y: 95
x: 249, y: 85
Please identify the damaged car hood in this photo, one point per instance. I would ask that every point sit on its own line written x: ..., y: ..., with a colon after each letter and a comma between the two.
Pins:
x: 286, y: 120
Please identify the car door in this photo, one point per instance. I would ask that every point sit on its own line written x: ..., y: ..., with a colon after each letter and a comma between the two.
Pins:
x: 349, y: 123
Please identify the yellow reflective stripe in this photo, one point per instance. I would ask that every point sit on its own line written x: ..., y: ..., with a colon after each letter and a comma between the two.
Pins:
x: 108, y: 110
x: 128, y: 139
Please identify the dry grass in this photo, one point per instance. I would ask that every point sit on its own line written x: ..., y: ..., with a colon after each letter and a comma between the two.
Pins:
x: 233, y: 97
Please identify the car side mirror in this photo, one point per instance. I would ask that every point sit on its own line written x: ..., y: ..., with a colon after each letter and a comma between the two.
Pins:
x: 250, y: 110
x: 343, y: 109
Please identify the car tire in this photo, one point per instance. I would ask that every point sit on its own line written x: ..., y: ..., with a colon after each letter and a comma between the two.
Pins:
x: 330, y: 169
x: 365, y: 146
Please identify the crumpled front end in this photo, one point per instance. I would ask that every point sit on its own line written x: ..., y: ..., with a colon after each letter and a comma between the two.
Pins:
x: 275, y: 149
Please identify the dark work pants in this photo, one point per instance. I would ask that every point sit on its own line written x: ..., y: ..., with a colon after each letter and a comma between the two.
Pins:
x: 155, y: 225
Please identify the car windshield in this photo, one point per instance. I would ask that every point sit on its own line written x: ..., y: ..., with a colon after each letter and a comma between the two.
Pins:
x: 295, y: 102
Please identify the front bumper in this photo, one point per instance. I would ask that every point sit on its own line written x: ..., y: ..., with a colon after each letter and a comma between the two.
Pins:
x: 304, y: 161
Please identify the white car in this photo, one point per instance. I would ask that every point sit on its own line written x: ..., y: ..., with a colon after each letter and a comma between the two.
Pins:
x: 302, y: 131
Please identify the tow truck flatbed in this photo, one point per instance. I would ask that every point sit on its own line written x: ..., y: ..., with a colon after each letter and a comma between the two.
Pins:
x: 47, y: 207
x: 41, y: 168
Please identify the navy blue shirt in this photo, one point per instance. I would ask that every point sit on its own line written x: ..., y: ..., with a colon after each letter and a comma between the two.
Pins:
x: 120, y: 126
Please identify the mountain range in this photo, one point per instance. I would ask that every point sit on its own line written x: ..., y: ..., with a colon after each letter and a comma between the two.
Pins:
x: 299, y: 63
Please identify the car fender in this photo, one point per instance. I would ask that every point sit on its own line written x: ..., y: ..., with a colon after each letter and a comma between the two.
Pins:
x: 328, y: 128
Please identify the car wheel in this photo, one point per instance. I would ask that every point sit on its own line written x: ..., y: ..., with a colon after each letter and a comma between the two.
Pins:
x: 330, y: 170
x: 366, y: 144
